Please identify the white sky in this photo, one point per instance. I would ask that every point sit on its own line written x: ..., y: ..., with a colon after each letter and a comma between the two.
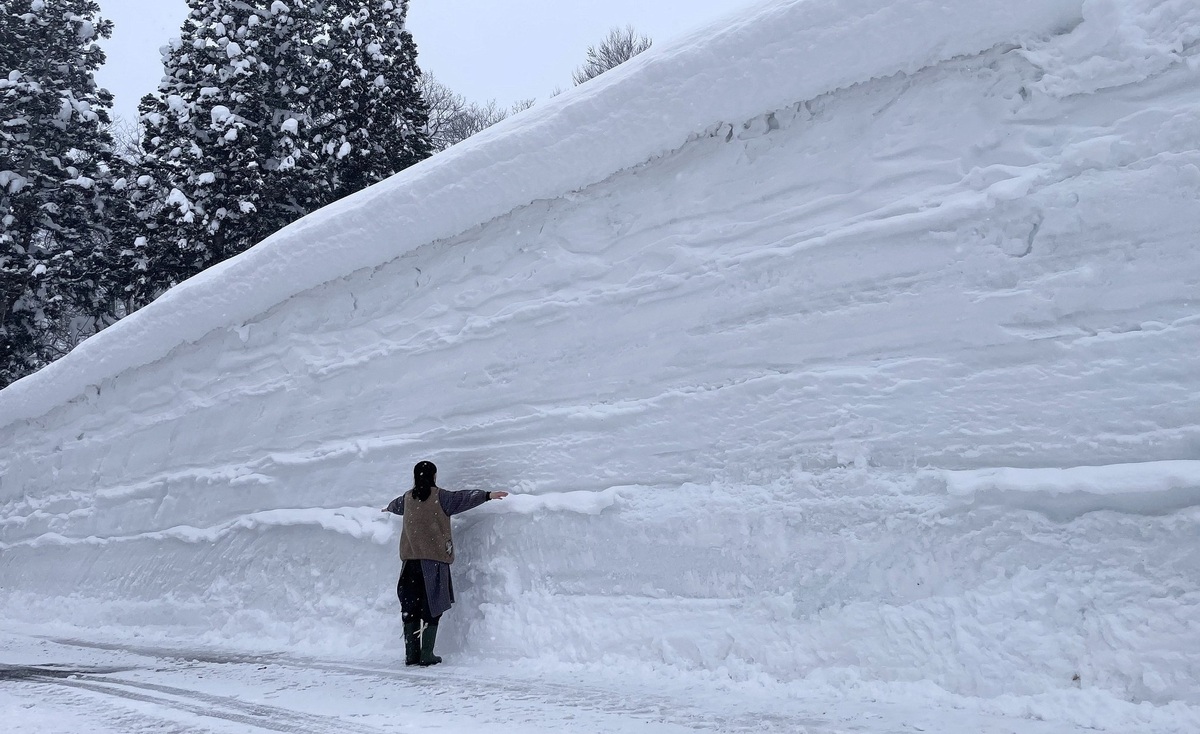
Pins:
x: 482, y: 49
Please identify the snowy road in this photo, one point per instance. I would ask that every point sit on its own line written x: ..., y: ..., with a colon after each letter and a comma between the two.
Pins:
x: 55, y: 686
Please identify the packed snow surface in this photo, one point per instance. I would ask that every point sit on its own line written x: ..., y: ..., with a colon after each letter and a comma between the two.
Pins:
x: 841, y: 349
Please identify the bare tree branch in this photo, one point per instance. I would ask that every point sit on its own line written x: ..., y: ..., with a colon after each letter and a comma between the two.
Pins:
x: 127, y: 138
x: 621, y: 45
x: 452, y: 119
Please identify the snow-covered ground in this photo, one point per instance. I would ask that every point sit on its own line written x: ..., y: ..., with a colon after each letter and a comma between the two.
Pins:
x: 68, y: 686
x: 843, y: 357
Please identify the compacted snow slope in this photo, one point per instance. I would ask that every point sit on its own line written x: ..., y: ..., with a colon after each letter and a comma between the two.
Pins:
x: 887, y: 387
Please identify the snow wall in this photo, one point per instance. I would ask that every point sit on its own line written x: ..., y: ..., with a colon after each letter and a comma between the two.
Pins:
x: 846, y: 342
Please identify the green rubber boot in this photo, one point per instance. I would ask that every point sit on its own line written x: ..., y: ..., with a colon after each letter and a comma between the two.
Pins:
x: 412, y: 643
x: 428, y: 638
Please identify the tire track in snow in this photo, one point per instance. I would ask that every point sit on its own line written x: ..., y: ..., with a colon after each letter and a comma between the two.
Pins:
x: 201, y: 705
x: 479, y: 701
x: 258, y: 715
x: 460, y: 692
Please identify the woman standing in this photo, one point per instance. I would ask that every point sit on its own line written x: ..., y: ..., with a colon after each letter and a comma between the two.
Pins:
x: 426, y: 552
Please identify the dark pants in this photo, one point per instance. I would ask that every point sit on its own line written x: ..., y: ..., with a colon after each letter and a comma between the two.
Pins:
x: 414, y: 603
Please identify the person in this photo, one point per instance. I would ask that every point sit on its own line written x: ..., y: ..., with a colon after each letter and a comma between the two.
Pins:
x: 426, y: 552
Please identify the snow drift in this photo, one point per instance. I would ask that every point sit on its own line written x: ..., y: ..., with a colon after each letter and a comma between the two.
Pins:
x: 844, y: 343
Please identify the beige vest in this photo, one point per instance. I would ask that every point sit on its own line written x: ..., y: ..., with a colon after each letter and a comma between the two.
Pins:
x: 426, y: 533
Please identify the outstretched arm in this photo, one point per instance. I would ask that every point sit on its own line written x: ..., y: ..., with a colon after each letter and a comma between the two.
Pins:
x: 396, y: 506
x: 456, y: 502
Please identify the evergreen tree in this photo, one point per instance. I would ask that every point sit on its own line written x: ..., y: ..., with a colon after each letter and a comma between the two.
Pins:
x: 268, y: 111
x: 203, y: 175
x: 55, y: 189
x: 289, y: 70
x: 370, y: 117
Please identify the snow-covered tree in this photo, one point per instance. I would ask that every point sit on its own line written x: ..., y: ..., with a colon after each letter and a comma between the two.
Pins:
x: 368, y: 116
x: 206, y: 141
x: 55, y: 190
x: 268, y: 111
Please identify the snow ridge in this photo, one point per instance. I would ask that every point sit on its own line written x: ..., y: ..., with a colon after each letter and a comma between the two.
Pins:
x: 366, y: 523
x: 1150, y: 488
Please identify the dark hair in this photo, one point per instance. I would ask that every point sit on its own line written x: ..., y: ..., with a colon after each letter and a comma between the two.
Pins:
x: 424, y: 480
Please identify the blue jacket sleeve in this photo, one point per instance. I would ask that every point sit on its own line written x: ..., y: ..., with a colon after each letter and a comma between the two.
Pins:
x: 456, y: 502
x: 396, y: 506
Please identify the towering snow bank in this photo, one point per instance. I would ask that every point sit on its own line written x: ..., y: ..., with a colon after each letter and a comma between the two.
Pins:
x: 775, y: 55
x: 885, y: 386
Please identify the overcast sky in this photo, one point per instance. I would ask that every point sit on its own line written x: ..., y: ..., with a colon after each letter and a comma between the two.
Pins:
x: 482, y: 49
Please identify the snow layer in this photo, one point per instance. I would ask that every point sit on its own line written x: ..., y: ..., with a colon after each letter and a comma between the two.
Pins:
x: 1149, y: 488
x: 730, y: 72
x: 814, y: 371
